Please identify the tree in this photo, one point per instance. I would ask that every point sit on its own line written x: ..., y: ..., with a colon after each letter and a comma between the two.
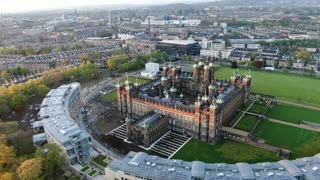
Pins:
x: 18, y: 101
x: 7, y: 176
x: 7, y: 154
x: 84, y: 57
x: 75, y: 47
x: 96, y: 55
x: 42, y: 90
x: 53, y: 161
x: 304, y: 55
x: 12, y: 89
x: 57, y: 49
x: 5, y: 75
x: 258, y: 64
x: 30, y: 169
x: 4, y: 108
x: 112, y: 63
x: 234, y: 64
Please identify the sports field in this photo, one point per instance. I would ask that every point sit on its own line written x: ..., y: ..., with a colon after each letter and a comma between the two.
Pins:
x: 113, y: 94
x: 301, y: 89
x: 247, y: 123
x: 300, y: 141
x: 293, y: 114
x: 226, y: 151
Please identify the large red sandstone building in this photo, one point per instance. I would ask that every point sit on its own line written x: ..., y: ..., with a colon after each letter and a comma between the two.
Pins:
x: 196, y: 103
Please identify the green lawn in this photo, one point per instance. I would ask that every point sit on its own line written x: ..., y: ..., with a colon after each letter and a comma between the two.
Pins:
x: 293, y: 114
x: 257, y: 108
x: 301, y: 89
x: 99, y: 160
x: 92, y: 172
x: 110, y: 96
x: 247, y: 123
x: 85, y: 168
x: 8, y: 127
x: 226, y: 151
x: 300, y: 141
x: 113, y: 94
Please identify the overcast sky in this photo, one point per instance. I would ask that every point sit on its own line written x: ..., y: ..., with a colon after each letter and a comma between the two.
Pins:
x: 12, y: 6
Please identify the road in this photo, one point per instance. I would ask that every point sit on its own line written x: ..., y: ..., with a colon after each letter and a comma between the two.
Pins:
x: 96, y: 144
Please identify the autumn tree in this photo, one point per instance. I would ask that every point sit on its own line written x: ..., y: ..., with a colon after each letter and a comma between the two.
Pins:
x: 7, y: 176
x: 5, y: 75
x: 12, y: 89
x: 84, y: 57
x: 112, y: 64
x: 7, y: 154
x: 304, y: 55
x: 30, y: 169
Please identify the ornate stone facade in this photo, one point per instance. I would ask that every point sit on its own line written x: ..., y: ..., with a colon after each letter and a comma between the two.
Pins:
x: 148, y: 129
x: 197, y: 103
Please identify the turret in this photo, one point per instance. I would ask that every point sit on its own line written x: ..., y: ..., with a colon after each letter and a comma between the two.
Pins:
x: 173, y: 90
x: 205, y: 98
x: 212, y: 89
x: 233, y: 79
x: 195, y: 69
x: 206, y: 73
x: 164, y: 81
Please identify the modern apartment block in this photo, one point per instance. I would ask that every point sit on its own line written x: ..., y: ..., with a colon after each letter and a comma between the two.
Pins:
x: 60, y: 128
x: 140, y: 165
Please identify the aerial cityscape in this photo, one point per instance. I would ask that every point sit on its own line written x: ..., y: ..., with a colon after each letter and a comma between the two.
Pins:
x: 160, y: 90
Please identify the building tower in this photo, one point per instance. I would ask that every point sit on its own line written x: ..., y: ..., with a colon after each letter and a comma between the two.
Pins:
x: 195, y: 69
x: 206, y: 73
x: 128, y: 96
x: 119, y: 99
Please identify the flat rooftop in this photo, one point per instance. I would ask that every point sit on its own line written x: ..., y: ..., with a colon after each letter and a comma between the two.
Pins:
x: 178, y: 42
x: 154, y: 167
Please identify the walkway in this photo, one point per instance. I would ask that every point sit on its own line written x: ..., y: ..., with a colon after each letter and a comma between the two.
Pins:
x: 299, y: 105
x: 295, y: 125
x: 295, y: 104
x: 256, y: 98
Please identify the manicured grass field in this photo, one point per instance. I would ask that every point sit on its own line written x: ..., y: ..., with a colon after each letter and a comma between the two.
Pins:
x: 257, y: 108
x: 226, y: 151
x: 300, y: 141
x: 293, y: 114
x: 247, y: 123
x: 301, y: 89
x: 8, y: 127
x: 113, y: 94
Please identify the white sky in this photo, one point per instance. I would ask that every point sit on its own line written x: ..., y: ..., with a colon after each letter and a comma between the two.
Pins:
x: 10, y: 6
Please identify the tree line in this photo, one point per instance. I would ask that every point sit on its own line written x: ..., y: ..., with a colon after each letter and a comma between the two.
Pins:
x: 120, y: 62
x: 47, y: 163
x: 16, y: 96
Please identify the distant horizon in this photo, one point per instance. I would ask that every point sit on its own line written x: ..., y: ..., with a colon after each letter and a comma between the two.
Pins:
x: 26, y: 6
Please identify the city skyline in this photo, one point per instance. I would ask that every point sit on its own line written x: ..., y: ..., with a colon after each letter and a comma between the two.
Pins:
x: 20, y: 6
